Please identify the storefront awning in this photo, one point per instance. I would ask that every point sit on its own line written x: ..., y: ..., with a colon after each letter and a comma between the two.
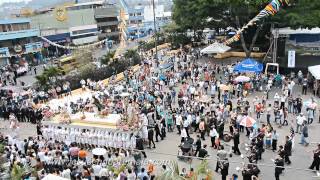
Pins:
x: 314, y: 70
x: 59, y: 38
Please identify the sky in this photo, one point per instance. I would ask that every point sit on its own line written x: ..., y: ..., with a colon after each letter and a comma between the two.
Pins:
x: 4, y: 1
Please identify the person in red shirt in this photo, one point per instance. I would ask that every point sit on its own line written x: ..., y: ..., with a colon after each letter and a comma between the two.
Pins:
x: 258, y: 110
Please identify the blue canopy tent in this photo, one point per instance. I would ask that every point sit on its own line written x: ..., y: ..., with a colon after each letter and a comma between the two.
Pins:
x: 249, y: 65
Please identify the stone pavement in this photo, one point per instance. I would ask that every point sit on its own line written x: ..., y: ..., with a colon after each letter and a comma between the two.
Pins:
x: 167, y: 149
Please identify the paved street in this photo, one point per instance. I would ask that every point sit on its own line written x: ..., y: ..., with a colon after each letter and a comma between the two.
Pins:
x: 168, y: 148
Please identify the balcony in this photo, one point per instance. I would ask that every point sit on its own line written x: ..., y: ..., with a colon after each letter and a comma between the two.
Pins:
x: 136, y: 18
x: 111, y: 23
x: 19, y: 34
x: 109, y: 34
x: 105, y: 12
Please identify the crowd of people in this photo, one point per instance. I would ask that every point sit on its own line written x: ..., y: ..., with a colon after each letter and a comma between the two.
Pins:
x: 185, y: 97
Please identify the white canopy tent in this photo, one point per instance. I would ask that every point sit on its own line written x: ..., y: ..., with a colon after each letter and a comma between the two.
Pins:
x: 215, y: 48
x: 315, y: 71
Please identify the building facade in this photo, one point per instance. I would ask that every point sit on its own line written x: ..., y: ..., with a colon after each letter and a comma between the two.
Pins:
x: 18, y: 41
x: 107, y: 22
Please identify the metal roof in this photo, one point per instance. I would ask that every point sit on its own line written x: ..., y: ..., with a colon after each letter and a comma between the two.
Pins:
x: 14, y: 21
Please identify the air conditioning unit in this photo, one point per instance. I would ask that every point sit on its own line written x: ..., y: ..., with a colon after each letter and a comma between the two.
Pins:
x: 256, y: 49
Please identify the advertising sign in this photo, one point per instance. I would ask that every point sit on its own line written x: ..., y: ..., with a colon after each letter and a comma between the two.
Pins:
x: 291, y: 59
x: 33, y: 47
x: 4, y: 52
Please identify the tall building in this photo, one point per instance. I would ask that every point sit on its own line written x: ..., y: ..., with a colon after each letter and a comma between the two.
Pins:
x: 76, y: 27
x: 18, y: 40
x: 140, y: 16
x: 107, y: 21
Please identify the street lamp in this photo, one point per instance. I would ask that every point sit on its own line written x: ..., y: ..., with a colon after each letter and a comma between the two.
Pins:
x: 155, y: 31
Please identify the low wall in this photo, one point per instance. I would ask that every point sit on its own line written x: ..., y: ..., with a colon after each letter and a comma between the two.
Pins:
x: 238, y: 54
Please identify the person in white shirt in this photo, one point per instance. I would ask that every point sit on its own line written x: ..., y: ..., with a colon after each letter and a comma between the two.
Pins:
x: 41, y: 156
x: 131, y: 175
x: 183, y: 135
x: 66, y: 173
x: 96, y: 170
x: 104, y: 173
x: 179, y: 122
x: 213, y: 134
x: 300, y: 120
x: 186, y: 124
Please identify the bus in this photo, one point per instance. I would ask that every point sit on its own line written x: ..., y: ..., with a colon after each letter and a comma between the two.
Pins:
x: 67, y: 64
x: 84, y: 34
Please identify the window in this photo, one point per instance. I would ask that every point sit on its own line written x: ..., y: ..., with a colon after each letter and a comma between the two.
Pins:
x: 84, y: 31
x: 83, y: 36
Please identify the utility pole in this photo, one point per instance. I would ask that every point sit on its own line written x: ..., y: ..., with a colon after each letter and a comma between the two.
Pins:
x: 275, y: 44
x: 155, y: 31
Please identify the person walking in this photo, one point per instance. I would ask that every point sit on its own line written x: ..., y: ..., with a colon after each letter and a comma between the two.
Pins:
x: 213, y: 134
x: 279, y: 162
x: 287, y: 150
x: 236, y: 142
x: 300, y: 121
x: 274, y: 137
x: 198, y: 145
x: 150, y: 138
x: 304, y: 86
x: 285, y: 117
x: 158, y: 132
x: 139, y: 146
x: 304, y: 134
x: 316, y: 159
x: 179, y: 122
x: 310, y: 115
x: 202, y: 129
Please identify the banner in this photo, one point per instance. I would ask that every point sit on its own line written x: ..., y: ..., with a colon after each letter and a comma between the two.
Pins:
x: 291, y: 59
x: 33, y: 47
x: 271, y: 9
x: 4, y: 52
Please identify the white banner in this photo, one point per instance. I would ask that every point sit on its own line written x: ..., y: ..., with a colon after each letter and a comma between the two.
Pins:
x: 291, y: 59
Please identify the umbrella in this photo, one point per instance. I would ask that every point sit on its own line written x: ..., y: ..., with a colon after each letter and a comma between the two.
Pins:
x: 215, y: 48
x: 247, y: 121
x: 119, y: 88
x: 99, y: 151
x: 204, y: 99
x: 125, y: 94
x: 242, y: 79
x: 224, y: 87
x: 310, y: 104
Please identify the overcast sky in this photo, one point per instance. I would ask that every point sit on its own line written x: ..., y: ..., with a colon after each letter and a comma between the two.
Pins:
x: 3, y: 1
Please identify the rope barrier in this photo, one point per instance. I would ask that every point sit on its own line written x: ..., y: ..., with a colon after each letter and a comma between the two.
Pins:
x: 73, y: 47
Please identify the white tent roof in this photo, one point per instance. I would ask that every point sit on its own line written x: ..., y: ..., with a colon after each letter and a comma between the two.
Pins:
x: 315, y: 71
x: 53, y: 177
x: 288, y: 31
x: 215, y: 48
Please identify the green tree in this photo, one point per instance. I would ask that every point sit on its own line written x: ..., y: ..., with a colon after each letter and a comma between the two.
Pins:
x: 107, y: 57
x: 299, y: 14
x: 133, y: 56
x: 46, y: 78
x: 17, y: 172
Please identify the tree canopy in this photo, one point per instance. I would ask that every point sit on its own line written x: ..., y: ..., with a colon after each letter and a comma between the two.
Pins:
x: 197, y: 14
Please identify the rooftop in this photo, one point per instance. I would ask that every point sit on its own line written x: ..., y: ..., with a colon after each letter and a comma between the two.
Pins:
x: 88, y: 3
x: 14, y: 21
x: 288, y: 31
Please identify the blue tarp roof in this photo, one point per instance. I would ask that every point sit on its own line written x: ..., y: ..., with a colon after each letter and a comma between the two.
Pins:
x: 59, y: 37
x: 249, y: 65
